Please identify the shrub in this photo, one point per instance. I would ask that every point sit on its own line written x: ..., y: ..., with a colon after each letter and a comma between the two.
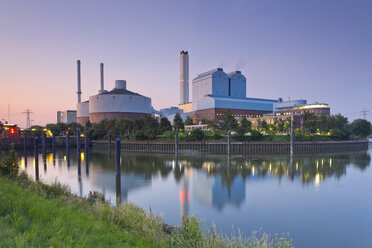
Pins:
x: 196, y: 134
x: 95, y: 196
x: 9, y: 165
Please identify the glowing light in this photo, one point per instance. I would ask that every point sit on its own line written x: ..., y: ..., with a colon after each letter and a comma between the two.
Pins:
x: 318, y: 178
x: 64, y: 158
x: 296, y: 166
x: 252, y: 171
x: 330, y: 162
x: 82, y: 156
x: 23, y: 163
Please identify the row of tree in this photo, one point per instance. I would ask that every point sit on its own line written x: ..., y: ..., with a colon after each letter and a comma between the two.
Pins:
x: 149, y: 127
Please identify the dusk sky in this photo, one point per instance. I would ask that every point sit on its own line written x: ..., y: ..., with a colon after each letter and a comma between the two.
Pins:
x: 315, y: 50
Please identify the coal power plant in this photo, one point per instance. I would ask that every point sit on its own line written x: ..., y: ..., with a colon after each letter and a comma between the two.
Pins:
x: 114, y: 104
x: 213, y: 92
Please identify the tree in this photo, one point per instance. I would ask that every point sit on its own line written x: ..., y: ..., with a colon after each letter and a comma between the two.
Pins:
x: 262, y: 125
x: 309, y: 120
x: 178, y: 123
x: 211, y: 124
x: 228, y: 120
x: 196, y: 134
x: 361, y: 127
x: 281, y: 126
x: 323, y: 124
x: 150, y: 126
x: 165, y: 125
x: 244, y: 127
x: 189, y: 121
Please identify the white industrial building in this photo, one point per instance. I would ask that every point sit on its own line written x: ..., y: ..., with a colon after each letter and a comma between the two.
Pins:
x: 68, y: 116
x: 114, y: 104
x: 216, y: 91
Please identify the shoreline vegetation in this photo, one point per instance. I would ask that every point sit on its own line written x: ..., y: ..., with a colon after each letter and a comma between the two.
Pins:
x: 42, y: 215
x: 312, y: 128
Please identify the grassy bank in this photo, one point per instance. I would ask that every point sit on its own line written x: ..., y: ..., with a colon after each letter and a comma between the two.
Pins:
x: 33, y: 214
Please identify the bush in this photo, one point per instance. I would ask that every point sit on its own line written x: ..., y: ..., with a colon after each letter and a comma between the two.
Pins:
x: 95, y: 196
x: 9, y: 165
x: 196, y: 135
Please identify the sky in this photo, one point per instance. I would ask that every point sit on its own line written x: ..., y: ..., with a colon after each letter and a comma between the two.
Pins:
x: 319, y: 50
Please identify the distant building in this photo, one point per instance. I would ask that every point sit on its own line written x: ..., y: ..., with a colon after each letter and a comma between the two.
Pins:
x: 68, y: 116
x: 216, y: 91
x: 192, y: 127
x: 115, y: 104
x: 292, y: 110
x: 298, y: 107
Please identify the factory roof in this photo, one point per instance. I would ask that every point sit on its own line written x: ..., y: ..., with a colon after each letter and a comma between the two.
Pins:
x: 234, y: 72
x: 120, y: 92
x: 208, y: 73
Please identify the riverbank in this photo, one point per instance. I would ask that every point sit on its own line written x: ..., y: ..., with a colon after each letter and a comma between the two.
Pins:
x: 36, y: 214
x: 246, y: 148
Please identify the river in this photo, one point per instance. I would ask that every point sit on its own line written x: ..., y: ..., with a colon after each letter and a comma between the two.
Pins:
x: 320, y: 200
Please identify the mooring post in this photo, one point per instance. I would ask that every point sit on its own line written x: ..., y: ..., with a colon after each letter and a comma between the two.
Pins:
x: 44, y: 142
x: 25, y: 144
x: 53, y: 143
x: 109, y: 144
x: 78, y: 141
x: 117, y: 155
x: 176, y: 142
x: 292, y: 139
x: 86, y: 142
x: 229, y: 143
x: 118, y: 189
x: 36, y: 155
x: 67, y: 141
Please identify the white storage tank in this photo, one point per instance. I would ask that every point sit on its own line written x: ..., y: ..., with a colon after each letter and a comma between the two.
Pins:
x: 118, y: 103
x: 82, y: 112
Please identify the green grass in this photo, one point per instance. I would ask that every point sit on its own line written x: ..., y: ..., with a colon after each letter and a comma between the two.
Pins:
x: 33, y: 214
x: 30, y: 219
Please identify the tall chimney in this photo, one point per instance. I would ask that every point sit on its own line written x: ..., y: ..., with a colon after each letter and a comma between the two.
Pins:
x: 184, y: 77
x: 78, y: 82
x: 102, y: 83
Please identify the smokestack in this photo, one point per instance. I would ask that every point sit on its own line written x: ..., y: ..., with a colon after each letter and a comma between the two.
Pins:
x: 102, y: 90
x: 78, y: 82
x: 184, y: 77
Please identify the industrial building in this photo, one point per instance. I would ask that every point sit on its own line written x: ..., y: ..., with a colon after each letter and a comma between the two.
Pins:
x: 68, y: 116
x: 298, y: 107
x: 214, y: 92
x: 114, y: 104
x: 292, y: 110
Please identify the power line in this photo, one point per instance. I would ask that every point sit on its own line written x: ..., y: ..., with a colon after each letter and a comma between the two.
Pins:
x: 364, y: 113
x: 28, y: 121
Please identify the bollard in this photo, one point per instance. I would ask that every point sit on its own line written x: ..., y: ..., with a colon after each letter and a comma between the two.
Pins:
x: 176, y: 142
x: 86, y: 143
x: 67, y: 141
x: 24, y: 141
x: 78, y: 142
x: 292, y: 143
x: 25, y: 147
x: 79, y: 165
x: 229, y: 143
x: 53, y: 143
x: 117, y: 155
x: 118, y: 189
x: 36, y: 155
x: 44, y: 142
x: 109, y: 144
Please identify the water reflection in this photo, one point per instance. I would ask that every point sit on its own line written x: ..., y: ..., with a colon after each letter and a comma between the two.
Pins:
x: 215, y: 186
x: 216, y: 180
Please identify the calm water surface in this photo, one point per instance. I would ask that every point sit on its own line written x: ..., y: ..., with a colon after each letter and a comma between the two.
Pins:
x: 322, y: 201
